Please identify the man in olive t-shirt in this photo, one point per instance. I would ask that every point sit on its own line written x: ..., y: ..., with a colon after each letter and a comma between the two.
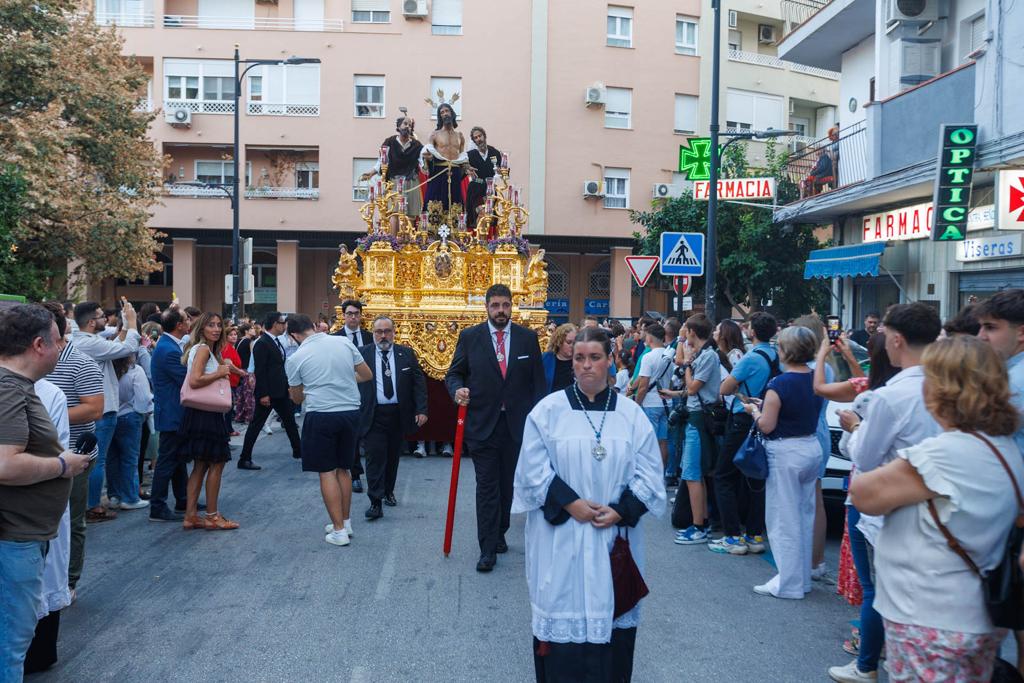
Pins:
x: 35, y: 476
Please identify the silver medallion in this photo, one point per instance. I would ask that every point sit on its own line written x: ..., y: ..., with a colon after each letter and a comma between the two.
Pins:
x: 387, y: 373
x: 501, y: 357
x: 599, y: 452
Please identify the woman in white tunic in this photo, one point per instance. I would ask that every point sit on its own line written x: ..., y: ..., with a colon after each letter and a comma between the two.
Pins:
x: 589, y: 468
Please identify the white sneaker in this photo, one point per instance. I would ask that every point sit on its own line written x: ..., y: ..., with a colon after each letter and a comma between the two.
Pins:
x: 267, y: 429
x: 421, y: 450
x: 137, y: 505
x: 329, y: 527
x: 851, y: 674
x: 447, y: 450
x: 113, y: 502
x: 818, y: 573
x: 337, y: 537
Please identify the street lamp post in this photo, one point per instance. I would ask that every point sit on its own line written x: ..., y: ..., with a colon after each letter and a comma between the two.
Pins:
x: 236, y: 295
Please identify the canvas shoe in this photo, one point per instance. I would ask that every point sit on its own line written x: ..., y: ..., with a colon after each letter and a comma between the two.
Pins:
x: 337, y: 537
x: 851, y: 674
x: 728, y: 545
x: 692, y: 535
x: 137, y: 505
x: 820, y: 572
x: 329, y: 527
x: 755, y: 544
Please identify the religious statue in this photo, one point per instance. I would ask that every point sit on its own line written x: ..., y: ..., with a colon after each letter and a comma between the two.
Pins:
x: 536, y: 284
x: 346, y: 276
x: 444, y: 159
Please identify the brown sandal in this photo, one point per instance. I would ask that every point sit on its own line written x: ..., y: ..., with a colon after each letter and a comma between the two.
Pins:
x: 100, y: 514
x: 193, y: 523
x: 215, y: 522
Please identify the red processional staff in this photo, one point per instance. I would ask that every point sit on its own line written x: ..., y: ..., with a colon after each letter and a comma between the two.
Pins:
x: 453, y: 488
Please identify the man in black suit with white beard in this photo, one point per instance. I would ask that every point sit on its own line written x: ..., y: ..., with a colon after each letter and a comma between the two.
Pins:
x: 393, y: 405
x: 497, y: 365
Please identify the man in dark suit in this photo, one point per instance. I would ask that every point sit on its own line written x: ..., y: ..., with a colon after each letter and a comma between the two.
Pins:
x: 168, y: 375
x: 271, y: 391
x: 352, y: 310
x: 485, y: 161
x: 393, y: 404
x: 498, y: 363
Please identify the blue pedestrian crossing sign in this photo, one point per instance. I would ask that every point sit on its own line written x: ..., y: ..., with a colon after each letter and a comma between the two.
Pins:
x: 682, y: 253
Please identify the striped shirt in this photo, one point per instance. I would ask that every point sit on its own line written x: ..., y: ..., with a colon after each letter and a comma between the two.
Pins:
x: 77, y: 375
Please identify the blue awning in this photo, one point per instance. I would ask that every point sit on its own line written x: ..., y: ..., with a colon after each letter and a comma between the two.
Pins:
x: 846, y: 261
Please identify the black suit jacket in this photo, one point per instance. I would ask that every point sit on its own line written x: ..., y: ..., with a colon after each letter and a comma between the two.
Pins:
x: 367, y: 337
x: 268, y: 364
x: 484, y: 169
x: 475, y: 366
x: 410, y: 387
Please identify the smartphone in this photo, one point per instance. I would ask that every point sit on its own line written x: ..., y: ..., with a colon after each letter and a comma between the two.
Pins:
x: 743, y: 397
x: 834, y: 329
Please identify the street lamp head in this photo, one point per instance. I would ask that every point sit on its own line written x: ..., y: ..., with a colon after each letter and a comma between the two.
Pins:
x: 774, y: 133
x: 301, y: 60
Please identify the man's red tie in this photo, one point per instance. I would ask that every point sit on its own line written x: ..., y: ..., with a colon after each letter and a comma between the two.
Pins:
x: 502, y: 357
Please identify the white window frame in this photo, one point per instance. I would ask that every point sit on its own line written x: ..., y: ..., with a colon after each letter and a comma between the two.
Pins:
x: 687, y: 47
x: 676, y: 113
x: 266, y: 76
x: 614, y: 116
x: 364, y: 12
x: 734, y: 124
x: 183, y: 86
x: 616, y: 188
x: 360, y: 188
x: 445, y: 83
x: 310, y: 169
x: 735, y: 40
x: 220, y: 84
x: 225, y: 166
x: 619, y: 26
x: 454, y: 11
x: 376, y: 109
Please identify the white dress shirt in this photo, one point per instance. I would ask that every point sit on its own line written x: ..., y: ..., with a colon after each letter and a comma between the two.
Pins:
x: 379, y: 376
x: 357, y: 336
x: 506, y: 340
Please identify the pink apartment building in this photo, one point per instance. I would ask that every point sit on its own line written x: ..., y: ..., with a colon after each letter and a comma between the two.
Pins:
x: 523, y: 70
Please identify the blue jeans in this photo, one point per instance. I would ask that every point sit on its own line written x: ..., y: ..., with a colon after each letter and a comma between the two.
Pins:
x: 21, y: 589
x: 872, y: 631
x: 123, y: 458
x: 105, y: 427
x: 692, y: 455
x: 659, y: 421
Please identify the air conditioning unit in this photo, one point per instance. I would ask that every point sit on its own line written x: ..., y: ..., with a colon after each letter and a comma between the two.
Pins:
x: 918, y: 60
x: 912, y: 11
x: 765, y: 33
x: 414, y: 9
x: 665, y: 191
x: 596, y: 95
x: 593, y: 188
x: 179, y: 118
x: 734, y: 19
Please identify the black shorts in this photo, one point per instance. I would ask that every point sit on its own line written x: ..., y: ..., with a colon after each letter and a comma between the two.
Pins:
x: 329, y: 441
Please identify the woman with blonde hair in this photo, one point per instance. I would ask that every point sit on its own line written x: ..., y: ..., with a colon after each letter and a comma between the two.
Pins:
x: 789, y: 420
x: 962, y: 483
x: 204, y: 436
x: 557, y: 360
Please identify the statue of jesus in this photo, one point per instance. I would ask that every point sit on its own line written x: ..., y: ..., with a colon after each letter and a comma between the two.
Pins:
x: 444, y: 157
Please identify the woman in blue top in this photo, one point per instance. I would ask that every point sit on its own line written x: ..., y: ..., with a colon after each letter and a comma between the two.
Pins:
x: 789, y: 419
x: 557, y: 360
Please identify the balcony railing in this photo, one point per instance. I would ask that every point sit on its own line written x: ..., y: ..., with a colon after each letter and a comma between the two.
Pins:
x: 144, y: 104
x: 125, y: 19
x: 252, y: 23
x: 775, y: 63
x: 282, y: 193
x: 849, y: 162
x: 796, y: 12
x: 196, y: 191
x: 269, y: 109
x: 201, y: 106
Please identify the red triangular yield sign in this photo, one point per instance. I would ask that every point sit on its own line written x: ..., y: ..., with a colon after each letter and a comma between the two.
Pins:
x: 642, y: 267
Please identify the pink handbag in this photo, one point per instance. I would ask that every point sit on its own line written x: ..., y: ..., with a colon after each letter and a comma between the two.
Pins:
x: 214, y: 397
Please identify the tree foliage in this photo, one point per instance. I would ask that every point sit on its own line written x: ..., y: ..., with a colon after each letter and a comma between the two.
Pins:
x: 758, y: 260
x: 74, y: 145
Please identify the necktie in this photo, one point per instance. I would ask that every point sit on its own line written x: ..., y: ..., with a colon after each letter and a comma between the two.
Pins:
x: 279, y: 347
x: 389, y: 388
x: 502, y: 361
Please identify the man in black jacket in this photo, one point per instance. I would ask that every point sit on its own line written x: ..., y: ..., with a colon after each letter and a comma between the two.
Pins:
x: 485, y: 161
x: 498, y: 363
x: 392, y: 405
x: 352, y: 312
x: 271, y: 391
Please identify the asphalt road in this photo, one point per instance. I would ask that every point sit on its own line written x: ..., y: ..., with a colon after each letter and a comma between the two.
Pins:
x: 273, y: 602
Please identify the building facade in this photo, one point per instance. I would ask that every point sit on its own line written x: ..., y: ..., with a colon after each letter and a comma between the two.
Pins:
x: 906, y: 71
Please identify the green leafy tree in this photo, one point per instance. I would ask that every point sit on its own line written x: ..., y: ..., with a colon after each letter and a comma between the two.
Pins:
x: 758, y: 260
x: 86, y: 172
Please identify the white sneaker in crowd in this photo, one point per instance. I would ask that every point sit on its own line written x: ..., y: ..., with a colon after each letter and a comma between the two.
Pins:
x: 851, y: 674
x: 820, y: 572
x: 337, y: 537
x: 137, y: 505
x: 329, y: 527
x: 113, y: 502
x: 447, y: 450
x: 267, y: 429
x: 421, y: 449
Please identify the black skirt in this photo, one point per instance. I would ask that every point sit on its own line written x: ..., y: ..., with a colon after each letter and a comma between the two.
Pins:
x: 204, y: 437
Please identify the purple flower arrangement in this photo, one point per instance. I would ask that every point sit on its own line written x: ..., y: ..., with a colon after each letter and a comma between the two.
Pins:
x: 521, y: 245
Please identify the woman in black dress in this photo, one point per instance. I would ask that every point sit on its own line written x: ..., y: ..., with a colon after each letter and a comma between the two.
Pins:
x: 204, y: 435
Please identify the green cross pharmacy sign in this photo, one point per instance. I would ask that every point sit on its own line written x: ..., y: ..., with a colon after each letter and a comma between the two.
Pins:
x: 695, y: 159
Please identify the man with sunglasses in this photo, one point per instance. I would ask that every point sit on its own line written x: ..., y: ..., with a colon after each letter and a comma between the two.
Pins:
x: 271, y: 390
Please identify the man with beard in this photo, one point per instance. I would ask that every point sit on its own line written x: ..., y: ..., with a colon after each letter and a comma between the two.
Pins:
x: 484, y: 160
x: 444, y: 158
x: 498, y: 363
x: 393, y: 404
x: 403, y: 154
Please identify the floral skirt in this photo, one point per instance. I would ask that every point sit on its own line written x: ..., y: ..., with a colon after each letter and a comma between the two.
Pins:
x: 920, y: 653
x: 204, y: 437
x: 244, y: 399
x: 848, y: 585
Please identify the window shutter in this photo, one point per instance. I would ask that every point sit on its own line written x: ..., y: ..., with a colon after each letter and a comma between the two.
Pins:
x: 371, y: 6
x: 686, y: 113
x: 446, y: 13
x: 303, y: 84
x: 618, y: 100
x: 739, y: 106
x: 977, y: 33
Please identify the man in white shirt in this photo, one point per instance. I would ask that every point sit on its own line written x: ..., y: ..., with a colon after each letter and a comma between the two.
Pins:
x: 655, y: 374
x: 323, y: 374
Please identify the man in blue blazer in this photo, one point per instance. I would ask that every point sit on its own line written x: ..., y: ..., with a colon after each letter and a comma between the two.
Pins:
x: 168, y: 375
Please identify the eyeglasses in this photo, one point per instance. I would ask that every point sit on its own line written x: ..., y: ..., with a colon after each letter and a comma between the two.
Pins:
x: 353, y: 312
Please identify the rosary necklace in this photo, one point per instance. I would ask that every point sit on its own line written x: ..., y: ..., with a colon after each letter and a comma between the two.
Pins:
x: 598, y: 451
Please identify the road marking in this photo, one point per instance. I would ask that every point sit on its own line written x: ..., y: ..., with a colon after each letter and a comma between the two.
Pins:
x: 387, y: 571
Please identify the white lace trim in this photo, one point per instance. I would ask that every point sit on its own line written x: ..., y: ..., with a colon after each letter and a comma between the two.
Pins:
x: 655, y: 504
x: 573, y: 630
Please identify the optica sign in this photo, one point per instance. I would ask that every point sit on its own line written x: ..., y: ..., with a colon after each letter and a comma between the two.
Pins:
x: 952, y: 197
x: 737, y: 188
